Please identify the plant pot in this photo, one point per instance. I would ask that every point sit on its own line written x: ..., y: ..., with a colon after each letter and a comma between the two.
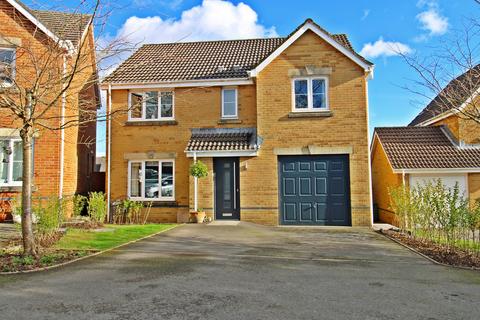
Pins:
x: 200, y: 217
x: 3, y: 217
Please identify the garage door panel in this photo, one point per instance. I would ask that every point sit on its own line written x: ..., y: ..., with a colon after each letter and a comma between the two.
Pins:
x: 304, y: 166
x: 305, y: 186
x: 337, y: 186
x: 320, y: 166
x: 306, y: 211
x: 290, y: 212
x: 289, y: 187
x: 320, y: 186
x: 315, y: 190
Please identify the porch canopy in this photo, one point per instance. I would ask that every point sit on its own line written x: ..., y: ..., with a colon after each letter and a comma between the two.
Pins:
x: 223, y: 142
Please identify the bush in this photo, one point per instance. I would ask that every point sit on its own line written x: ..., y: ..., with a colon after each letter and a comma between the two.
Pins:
x: 78, y: 202
x: 130, y: 211
x: 97, y: 206
x: 51, y: 214
x: 434, y: 212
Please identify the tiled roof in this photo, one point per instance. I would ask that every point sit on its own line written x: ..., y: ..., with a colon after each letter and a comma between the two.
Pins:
x: 460, y: 89
x: 426, y: 148
x: 225, y: 59
x: 223, y: 139
x: 66, y: 26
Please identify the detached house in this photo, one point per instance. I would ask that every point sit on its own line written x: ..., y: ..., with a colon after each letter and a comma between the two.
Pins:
x: 440, y: 143
x: 281, y: 123
x: 61, y: 166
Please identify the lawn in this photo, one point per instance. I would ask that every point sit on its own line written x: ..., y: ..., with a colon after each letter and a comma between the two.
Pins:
x: 111, y: 236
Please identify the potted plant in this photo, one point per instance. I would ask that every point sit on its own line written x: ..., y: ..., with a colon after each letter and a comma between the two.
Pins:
x: 198, y: 170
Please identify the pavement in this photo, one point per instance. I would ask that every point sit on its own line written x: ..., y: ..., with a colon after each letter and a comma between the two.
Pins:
x: 246, y: 271
x: 8, y: 231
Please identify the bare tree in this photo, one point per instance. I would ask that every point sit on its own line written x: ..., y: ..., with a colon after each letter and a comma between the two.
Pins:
x: 450, y: 74
x: 51, y: 73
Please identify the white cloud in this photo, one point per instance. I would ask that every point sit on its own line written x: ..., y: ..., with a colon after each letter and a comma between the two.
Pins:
x: 366, y: 13
x: 211, y: 20
x: 431, y: 20
x: 381, y: 48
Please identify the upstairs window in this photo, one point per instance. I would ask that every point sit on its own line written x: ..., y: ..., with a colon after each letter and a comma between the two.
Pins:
x: 11, y: 162
x: 150, y: 105
x: 229, y: 103
x: 310, y: 94
x: 7, y: 66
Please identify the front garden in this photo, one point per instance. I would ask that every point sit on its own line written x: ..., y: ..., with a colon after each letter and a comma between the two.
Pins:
x: 439, y: 222
x: 68, y: 229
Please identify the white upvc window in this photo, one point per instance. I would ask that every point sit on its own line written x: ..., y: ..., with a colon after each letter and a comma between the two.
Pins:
x: 151, y: 180
x: 7, y: 66
x: 11, y: 162
x: 229, y: 103
x: 150, y: 106
x: 310, y: 94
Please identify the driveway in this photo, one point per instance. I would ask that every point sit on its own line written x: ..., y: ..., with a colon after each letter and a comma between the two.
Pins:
x: 248, y: 272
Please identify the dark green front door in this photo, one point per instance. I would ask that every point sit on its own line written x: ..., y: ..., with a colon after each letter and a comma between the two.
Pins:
x: 227, y: 188
x: 314, y: 190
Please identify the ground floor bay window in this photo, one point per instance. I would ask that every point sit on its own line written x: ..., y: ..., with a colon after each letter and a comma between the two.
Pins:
x: 151, y: 180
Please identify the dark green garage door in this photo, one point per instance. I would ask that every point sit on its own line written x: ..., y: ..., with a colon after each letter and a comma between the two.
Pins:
x: 314, y: 190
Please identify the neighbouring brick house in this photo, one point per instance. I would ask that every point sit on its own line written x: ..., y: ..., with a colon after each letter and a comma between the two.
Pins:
x: 438, y: 144
x: 62, y: 167
x: 281, y: 123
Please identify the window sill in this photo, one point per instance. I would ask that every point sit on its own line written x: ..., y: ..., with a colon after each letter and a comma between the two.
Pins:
x: 10, y: 188
x: 310, y: 114
x: 157, y: 203
x: 229, y: 121
x: 152, y: 123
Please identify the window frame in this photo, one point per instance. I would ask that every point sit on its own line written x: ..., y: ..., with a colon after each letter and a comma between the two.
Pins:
x: 144, y: 106
x: 13, y: 66
x: 310, y: 107
x: 235, y: 116
x: 142, y: 180
x: 10, y: 182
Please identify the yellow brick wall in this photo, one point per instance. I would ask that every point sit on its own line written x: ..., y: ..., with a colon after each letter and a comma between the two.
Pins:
x: 194, y: 108
x: 383, y: 178
x: 453, y: 125
x: 474, y: 186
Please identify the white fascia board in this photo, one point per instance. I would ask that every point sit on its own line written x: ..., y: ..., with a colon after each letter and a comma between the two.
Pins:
x: 179, y: 84
x: 310, y: 26
x: 205, y: 154
x: 440, y: 170
x: 38, y: 24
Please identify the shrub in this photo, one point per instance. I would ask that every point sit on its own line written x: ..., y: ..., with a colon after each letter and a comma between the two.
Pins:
x: 130, y: 211
x: 78, y: 202
x: 434, y: 212
x: 97, y: 206
x: 51, y: 214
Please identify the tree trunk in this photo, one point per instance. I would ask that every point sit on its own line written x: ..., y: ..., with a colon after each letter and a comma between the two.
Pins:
x: 26, y: 133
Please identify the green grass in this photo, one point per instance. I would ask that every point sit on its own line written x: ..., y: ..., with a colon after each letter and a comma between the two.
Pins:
x: 78, y: 239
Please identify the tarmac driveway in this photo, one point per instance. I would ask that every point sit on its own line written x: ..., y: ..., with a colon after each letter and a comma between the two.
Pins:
x: 248, y: 272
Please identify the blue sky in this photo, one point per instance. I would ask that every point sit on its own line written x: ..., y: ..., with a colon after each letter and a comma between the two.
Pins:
x: 374, y: 28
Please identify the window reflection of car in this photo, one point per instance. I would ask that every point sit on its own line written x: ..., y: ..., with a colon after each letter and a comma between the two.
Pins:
x: 167, y: 188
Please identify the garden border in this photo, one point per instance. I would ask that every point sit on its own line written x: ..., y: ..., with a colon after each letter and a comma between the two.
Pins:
x: 424, y: 255
x: 89, y: 255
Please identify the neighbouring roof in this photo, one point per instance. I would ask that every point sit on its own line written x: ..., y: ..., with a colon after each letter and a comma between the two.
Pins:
x: 223, y: 139
x: 463, y: 87
x: 425, y: 148
x: 187, y: 61
x: 64, y: 25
